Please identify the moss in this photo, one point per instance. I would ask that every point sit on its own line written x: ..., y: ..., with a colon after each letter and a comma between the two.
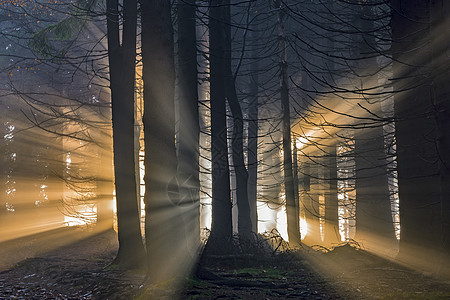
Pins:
x: 272, y: 273
x: 192, y: 282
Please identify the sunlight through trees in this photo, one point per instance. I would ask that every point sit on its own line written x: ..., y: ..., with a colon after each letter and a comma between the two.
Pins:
x: 202, y: 129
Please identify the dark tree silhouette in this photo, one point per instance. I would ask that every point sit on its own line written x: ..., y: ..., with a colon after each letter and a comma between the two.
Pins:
x: 374, y: 225
x: 122, y: 58
x: 421, y: 110
x: 237, y: 139
x: 252, y: 139
x: 331, y: 227
x: 164, y: 232
x: 414, y: 133
x: 291, y: 209
x: 221, y: 229
x: 188, y: 123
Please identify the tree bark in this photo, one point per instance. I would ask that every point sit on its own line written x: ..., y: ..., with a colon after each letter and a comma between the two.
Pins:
x: 163, y: 223
x: 291, y: 210
x: 122, y: 59
x: 440, y: 93
x: 252, y: 142
x: 237, y: 140
x: 221, y: 230
x: 311, y: 193
x: 415, y: 132
x: 374, y: 224
x: 295, y: 179
x: 331, y: 230
x: 189, y: 127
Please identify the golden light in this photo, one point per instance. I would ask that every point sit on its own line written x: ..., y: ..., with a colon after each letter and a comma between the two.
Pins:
x: 302, y: 140
x: 303, y: 227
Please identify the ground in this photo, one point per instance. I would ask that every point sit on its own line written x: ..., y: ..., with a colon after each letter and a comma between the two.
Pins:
x: 35, y: 269
x: 75, y: 270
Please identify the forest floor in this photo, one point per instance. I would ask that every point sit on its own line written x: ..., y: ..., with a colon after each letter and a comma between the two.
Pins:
x: 79, y: 270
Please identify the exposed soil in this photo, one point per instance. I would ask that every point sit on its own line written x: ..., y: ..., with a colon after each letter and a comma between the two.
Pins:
x: 80, y: 271
x: 77, y: 270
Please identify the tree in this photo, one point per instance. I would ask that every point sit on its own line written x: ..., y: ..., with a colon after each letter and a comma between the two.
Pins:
x: 331, y: 227
x: 291, y: 209
x: 415, y: 132
x: 221, y: 229
x: 252, y: 139
x: 164, y: 232
x: 188, y: 120
x: 440, y: 93
x: 312, y: 191
x: 374, y: 226
x: 237, y: 140
x: 122, y: 62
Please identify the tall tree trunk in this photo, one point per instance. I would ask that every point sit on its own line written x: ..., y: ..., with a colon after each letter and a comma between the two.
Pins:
x: 296, y: 179
x: 252, y: 142
x: 331, y: 230
x: 440, y: 93
x: 221, y: 229
x: 311, y: 194
x: 189, y: 127
x: 374, y: 224
x: 416, y: 156
x: 291, y: 211
x: 331, y: 234
x: 163, y: 223
x: 122, y: 60
x: 237, y: 140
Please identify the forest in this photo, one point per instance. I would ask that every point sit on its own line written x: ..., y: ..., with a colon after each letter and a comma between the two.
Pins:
x: 225, y: 149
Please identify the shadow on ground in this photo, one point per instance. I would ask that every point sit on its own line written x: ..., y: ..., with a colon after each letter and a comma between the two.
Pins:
x: 72, y: 263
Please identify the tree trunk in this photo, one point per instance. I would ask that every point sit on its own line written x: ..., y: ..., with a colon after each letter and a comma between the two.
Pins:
x: 311, y: 194
x: 221, y: 229
x: 331, y: 230
x: 189, y: 128
x: 296, y: 179
x: 122, y: 80
x: 374, y: 224
x: 244, y: 219
x: 252, y: 142
x: 291, y: 210
x: 164, y: 230
x: 331, y: 233
x: 415, y: 132
x: 440, y: 20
